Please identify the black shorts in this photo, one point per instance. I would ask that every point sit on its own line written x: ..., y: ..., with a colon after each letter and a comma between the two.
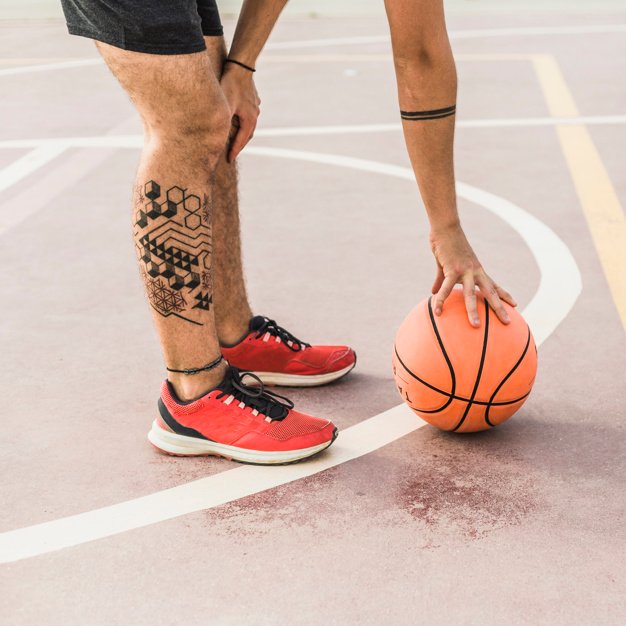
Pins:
x: 152, y: 26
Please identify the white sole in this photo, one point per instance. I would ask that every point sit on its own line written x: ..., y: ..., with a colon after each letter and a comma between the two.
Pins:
x: 295, y: 380
x: 180, y: 445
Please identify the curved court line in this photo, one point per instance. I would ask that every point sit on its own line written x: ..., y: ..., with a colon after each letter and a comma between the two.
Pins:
x: 558, y: 290
x: 558, y: 285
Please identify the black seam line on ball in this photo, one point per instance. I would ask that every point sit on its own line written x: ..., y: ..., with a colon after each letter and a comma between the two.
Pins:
x: 480, y: 369
x: 495, y: 393
x: 178, y: 428
x: 449, y: 395
x: 445, y: 355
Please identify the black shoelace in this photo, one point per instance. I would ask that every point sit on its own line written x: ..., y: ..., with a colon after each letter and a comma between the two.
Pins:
x: 268, y: 403
x: 292, y: 342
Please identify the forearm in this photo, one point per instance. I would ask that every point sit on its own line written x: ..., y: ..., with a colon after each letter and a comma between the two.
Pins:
x: 426, y: 77
x: 256, y: 21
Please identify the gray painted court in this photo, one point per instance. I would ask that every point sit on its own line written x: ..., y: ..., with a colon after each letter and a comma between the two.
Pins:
x: 397, y: 523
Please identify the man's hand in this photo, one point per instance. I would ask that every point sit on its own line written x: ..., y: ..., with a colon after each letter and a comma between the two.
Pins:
x: 457, y: 263
x: 238, y: 86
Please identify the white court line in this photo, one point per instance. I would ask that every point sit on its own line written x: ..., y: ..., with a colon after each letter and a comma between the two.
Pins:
x: 513, y: 122
x: 135, y: 141
x: 47, y: 67
x: 349, y: 41
x: 524, y: 31
x: 40, y: 192
x: 29, y: 163
x: 558, y: 290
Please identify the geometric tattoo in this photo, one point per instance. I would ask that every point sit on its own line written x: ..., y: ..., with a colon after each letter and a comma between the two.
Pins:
x: 172, y: 233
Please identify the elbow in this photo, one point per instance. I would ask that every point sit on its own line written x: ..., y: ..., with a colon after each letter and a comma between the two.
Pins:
x: 423, y: 56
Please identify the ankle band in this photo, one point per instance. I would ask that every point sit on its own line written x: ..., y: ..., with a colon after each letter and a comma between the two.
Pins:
x: 195, y: 370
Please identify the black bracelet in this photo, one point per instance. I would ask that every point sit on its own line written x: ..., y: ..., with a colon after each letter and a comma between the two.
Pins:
x: 435, y: 114
x: 195, y: 370
x: 245, y: 67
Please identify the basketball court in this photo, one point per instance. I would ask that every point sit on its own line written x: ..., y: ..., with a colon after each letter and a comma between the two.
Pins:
x: 397, y: 522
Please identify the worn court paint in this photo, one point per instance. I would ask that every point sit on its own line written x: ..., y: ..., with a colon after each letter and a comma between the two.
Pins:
x: 29, y: 163
x: 598, y: 198
x: 558, y: 290
x: 38, y: 193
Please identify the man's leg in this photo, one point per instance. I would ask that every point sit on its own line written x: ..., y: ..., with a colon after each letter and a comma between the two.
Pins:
x: 186, y: 121
x: 256, y: 344
x: 232, y: 310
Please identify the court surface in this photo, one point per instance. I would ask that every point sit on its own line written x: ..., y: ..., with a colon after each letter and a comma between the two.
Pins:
x: 397, y: 523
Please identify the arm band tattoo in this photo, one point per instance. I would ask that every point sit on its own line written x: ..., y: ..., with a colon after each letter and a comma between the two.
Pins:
x: 190, y: 372
x: 435, y: 114
x: 240, y: 64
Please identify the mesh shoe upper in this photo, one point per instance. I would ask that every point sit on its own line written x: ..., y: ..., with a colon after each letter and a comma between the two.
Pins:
x: 248, y: 417
x: 270, y: 348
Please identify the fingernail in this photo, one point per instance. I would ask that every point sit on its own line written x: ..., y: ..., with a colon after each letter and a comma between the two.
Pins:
x: 476, y: 321
x: 438, y: 311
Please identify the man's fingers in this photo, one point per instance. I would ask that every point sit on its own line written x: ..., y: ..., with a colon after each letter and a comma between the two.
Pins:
x: 438, y: 281
x: 490, y: 292
x: 237, y: 144
x: 444, y: 291
x: 244, y: 134
x: 469, y: 293
x: 505, y: 295
x: 253, y: 128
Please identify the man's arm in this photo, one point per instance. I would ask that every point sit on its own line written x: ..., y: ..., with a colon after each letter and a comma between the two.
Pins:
x: 426, y: 77
x: 256, y: 21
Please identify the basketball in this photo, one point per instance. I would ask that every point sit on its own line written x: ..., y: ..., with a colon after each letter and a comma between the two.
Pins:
x: 460, y: 378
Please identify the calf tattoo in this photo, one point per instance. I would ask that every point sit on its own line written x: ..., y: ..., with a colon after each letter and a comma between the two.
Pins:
x: 172, y: 232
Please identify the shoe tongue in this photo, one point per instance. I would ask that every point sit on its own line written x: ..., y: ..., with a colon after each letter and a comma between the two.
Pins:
x: 256, y: 322
x: 276, y: 410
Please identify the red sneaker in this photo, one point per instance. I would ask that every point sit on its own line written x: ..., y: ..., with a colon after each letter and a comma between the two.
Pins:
x: 242, y: 423
x: 279, y: 358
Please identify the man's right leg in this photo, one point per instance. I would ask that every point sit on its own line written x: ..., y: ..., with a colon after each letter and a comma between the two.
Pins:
x: 186, y: 121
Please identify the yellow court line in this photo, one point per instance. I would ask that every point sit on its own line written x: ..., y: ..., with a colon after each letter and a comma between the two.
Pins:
x: 601, y: 206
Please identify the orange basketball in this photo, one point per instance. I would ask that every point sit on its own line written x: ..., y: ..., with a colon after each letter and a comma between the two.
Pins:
x: 458, y: 377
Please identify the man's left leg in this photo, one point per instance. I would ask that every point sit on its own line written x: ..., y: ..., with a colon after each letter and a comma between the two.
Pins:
x: 257, y: 344
x: 230, y: 300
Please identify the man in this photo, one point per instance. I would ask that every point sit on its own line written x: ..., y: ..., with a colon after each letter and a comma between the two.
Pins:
x: 169, y: 56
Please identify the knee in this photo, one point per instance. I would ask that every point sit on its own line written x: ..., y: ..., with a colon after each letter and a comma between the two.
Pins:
x: 195, y: 134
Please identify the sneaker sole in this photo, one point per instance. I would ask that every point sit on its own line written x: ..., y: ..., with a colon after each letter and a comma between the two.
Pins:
x: 297, y: 380
x: 181, y: 445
